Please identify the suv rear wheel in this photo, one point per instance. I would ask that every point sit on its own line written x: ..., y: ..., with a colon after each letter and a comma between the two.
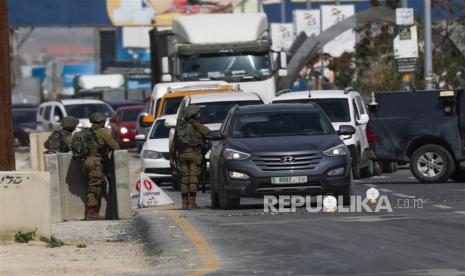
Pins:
x: 432, y: 163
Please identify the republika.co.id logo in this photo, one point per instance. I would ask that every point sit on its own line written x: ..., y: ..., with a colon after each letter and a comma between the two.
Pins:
x: 371, y: 202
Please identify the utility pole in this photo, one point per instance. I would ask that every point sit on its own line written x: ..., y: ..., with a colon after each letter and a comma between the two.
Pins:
x: 7, y: 152
x: 428, y: 48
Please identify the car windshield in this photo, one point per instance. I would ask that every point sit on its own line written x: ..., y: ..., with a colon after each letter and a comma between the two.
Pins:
x: 336, y: 109
x: 281, y: 124
x: 215, y: 112
x: 171, y: 105
x: 22, y: 116
x: 159, y: 130
x: 226, y: 66
x: 131, y: 115
x: 83, y: 111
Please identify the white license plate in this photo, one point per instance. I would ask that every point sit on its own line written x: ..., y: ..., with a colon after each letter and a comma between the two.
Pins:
x: 288, y: 179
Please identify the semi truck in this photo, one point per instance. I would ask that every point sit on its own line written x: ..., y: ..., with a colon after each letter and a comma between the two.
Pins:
x: 235, y: 48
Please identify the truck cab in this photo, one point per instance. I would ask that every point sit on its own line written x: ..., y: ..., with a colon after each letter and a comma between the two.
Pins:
x: 236, y: 49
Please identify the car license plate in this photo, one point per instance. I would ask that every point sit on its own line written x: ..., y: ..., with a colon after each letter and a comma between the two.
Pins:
x: 288, y: 179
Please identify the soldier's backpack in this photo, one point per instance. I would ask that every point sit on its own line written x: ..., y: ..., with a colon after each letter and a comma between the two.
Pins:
x: 56, y: 142
x: 84, y: 143
x: 187, y: 135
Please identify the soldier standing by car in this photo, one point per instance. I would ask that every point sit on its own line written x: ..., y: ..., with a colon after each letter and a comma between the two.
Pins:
x: 60, y: 140
x: 189, y: 141
x: 93, y: 146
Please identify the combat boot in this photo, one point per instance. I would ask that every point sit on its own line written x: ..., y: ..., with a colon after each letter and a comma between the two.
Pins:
x: 192, y: 203
x: 92, y: 214
x: 185, y: 200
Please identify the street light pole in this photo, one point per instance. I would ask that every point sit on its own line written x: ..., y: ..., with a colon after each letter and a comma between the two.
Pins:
x: 7, y: 153
x: 428, y: 48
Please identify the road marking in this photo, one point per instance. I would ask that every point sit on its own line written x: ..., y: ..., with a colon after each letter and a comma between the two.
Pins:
x: 444, y: 207
x: 369, y: 218
x: 370, y: 185
x: 210, y: 261
x: 460, y: 212
x: 380, y: 176
x: 461, y: 190
x: 402, y: 195
x: 385, y: 190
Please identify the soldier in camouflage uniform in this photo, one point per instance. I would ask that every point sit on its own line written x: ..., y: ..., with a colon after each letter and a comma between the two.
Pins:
x: 188, y: 142
x: 99, y: 148
x: 60, y: 140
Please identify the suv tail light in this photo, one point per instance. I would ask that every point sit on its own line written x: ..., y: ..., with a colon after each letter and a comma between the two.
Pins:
x: 371, y: 136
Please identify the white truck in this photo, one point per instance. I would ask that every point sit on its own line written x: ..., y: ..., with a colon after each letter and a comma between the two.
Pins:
x: 235, y: 48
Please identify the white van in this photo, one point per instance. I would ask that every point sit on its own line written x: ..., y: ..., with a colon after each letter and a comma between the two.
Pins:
x: 343, y: 107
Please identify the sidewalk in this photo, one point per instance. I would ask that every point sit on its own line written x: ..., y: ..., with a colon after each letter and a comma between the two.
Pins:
x: 91, y: 248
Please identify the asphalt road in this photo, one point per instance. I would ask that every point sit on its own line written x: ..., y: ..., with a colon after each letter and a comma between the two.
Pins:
x: 413, y: 239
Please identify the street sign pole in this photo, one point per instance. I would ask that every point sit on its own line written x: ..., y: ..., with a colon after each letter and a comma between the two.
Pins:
x: 7, y: 152
x: 428, y: 51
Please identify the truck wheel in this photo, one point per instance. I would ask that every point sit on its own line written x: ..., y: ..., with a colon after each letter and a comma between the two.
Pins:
x: 377, y: 168
x: 368, y: 171
x: 432, y: 164
x: 225, y: 201
x: 389, y: 167
x: 348, y: 192
x: 355, y: 165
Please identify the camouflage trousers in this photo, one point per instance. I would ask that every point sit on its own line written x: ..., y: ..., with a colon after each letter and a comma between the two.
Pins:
x: 190, y: 169
x: 95, y: 180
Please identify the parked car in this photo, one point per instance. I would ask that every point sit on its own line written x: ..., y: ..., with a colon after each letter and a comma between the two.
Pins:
x: 343, y: 107
x: 123, y: 125
x: 50, y: 114
x: 213, y: 110
x: 155, y: 151
x: 24, y: 122
x: 425, y: 128
x: 278, y: 149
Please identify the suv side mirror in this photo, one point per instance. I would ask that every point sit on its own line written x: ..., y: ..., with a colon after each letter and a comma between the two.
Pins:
x: 346, y: 130
x: 214, y: 135
x: 363, y: 119
x: 170, y: 122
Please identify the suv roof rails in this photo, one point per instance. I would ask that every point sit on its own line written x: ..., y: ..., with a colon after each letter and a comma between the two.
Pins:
x: 283, y: 91
x: 349, y: 89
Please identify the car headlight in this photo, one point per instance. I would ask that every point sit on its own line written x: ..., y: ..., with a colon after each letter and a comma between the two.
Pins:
x: 238, y: 175
x: 336, y: 151
x: 231, y: 154
x: 123, y: 130
x: 151, y: 154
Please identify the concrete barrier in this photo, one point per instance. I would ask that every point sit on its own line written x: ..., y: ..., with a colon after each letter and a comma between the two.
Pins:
x: 37, y: 149
x: 25, y: 203
x: 69, y: 188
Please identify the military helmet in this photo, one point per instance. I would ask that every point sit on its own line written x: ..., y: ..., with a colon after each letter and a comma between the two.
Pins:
x: 97, y: 117
x: 69, y: 122
x: 190, y: 111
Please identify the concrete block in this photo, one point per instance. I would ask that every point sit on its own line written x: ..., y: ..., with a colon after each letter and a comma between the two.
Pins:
x: 69, y: 186
x: 25, y: 203
x: 122, y: 183
x: 37, y: 149
x: 51, y: 165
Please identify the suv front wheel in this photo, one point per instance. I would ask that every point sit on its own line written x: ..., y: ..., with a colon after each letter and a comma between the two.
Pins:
x: 432, y: 164
x: 224, y: 199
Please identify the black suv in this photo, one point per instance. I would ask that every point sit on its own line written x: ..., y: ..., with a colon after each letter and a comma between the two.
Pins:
x: 279, y: 149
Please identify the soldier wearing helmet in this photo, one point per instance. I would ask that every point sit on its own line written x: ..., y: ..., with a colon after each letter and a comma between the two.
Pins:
x: 99, y: 143
x: 60, y: 140
x: 187, y: 145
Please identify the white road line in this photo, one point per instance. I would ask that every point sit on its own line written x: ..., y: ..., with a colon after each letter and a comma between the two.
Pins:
x: 402, y: 195
x: 461, y: 190
x: 370, y: 185
x: 385, y: 190
x: 444, y: 207
x: 460, y: 212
